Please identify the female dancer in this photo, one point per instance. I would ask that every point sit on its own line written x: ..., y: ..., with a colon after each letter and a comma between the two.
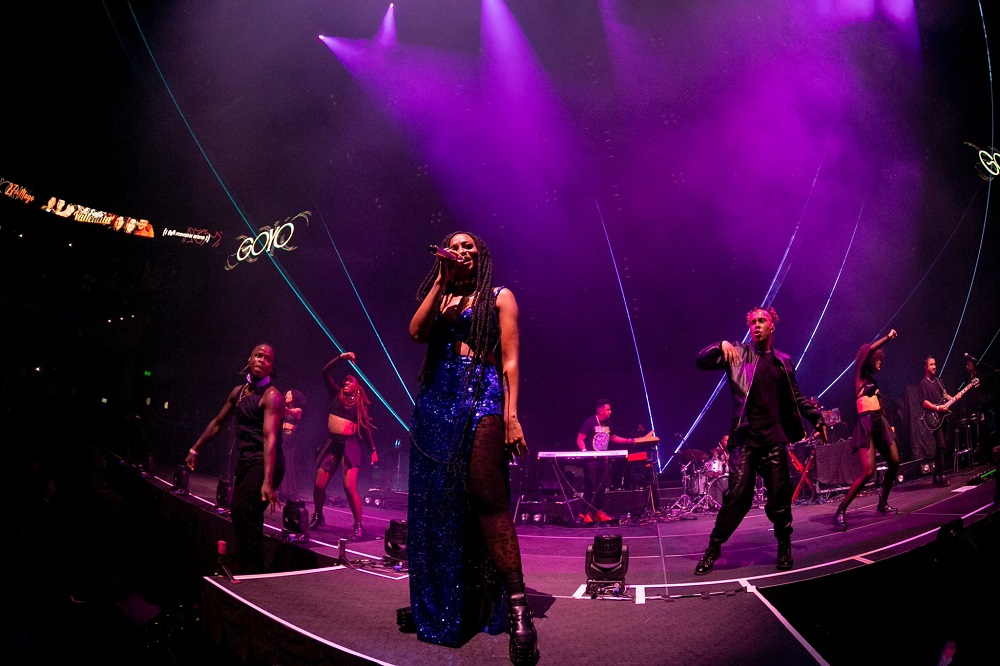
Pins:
x: 348, y: 421
x: 464, y: 431
x: 872, y: 430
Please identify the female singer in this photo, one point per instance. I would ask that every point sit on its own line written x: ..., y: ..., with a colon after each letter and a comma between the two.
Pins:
x: 464, y: 431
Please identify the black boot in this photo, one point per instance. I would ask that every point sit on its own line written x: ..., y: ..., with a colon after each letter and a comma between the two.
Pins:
x: 404, y: 620
x: 707, y: 560
x: 886, y: 508
x: 784, y: 555
x: 523, y: 637
x: 883, y: 505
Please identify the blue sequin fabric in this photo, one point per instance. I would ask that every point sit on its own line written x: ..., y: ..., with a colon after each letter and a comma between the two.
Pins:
x: 450, y: 590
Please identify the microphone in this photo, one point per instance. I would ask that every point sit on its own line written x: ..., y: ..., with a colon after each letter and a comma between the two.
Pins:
x: 443, y: 253
x: 971, y: 358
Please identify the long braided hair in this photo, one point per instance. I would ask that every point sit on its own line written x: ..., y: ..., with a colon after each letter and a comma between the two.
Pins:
x: 484, y: 335
x: 364, y: 418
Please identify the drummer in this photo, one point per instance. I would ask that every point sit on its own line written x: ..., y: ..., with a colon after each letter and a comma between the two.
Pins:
x: 722, y: 449
x: 717, y: 465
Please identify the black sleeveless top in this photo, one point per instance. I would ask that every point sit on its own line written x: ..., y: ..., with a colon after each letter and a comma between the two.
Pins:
x: 338, y: 408
x: 250, y: 423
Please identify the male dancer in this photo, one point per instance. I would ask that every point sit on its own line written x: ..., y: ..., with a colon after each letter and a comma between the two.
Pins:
x: 768, y: 409
x: 260, y: 466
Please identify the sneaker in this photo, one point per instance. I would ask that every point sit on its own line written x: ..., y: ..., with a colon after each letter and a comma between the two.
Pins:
x: 586, y: 519
x: 317, y: 521
x: 602, y: 517
x: 784, y: 556
x: 707, y: 561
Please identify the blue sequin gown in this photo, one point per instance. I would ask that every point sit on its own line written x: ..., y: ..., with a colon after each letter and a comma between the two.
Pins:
x: 452, y: 590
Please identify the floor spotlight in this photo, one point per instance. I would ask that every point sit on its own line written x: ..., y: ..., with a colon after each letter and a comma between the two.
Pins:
x: 606, y: 565
x: 950, y: 533
x: 395, y: 542
x: 181, y: 476
x: 295, y: 521
x: 223, y: 496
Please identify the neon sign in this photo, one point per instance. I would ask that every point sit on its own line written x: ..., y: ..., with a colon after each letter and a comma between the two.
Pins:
x: 267, y: 240
x: 988, y: 162
x: 126, y: 224
x: 16, y: 192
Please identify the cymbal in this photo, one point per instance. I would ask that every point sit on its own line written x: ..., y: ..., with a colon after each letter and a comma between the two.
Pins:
x: 697, y: 455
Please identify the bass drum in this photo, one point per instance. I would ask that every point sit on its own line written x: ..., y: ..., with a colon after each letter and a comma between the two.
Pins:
x: 717, y: 487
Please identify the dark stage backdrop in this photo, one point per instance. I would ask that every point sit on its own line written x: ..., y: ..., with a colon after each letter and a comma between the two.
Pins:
x: 644, y: 173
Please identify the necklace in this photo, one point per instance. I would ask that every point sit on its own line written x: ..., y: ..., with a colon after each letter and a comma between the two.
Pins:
x: 461, y: 285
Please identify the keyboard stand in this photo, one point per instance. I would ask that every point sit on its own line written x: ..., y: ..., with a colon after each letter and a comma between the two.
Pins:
x: 569, y: 502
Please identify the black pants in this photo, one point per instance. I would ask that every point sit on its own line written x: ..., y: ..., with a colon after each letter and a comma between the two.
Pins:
x: 940, y: 448
x: 745, y: 462
x: 248, y: 512
x: 596, y: 477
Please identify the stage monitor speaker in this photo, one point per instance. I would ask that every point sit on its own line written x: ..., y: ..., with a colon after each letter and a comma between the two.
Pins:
x: 620, y: 502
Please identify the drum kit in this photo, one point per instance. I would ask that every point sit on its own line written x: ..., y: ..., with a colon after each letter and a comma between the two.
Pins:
x: 704, y: 480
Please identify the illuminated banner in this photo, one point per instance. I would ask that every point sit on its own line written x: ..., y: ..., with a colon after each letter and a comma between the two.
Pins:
x: 268, y: 239
x: 126, y: 224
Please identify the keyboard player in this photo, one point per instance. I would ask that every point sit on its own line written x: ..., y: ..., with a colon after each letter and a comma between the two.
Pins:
x: 597, y: 434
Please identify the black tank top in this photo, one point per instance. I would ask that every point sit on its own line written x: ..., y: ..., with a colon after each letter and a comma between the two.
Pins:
x: 338, y: 408
x: 250, y: 423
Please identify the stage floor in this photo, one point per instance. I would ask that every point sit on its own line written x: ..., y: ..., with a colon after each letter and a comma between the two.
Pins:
x: 910, y: 579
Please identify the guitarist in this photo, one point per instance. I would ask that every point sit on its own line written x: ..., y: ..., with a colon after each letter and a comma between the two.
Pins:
x: 933, y: 395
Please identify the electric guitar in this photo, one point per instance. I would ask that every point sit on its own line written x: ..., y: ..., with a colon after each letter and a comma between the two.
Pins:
x: 934, y: 420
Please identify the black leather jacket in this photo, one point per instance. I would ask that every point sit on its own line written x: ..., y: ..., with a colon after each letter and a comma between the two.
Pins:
x: 741, y: 374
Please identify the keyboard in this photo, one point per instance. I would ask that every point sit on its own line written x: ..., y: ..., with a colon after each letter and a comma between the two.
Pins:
x: 582, y: 455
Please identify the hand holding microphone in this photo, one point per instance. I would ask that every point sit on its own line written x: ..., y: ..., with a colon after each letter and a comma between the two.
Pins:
x: 443, y: 253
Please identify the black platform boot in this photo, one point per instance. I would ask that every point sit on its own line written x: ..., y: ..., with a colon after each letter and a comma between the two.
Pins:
x: 840, y: 519
x: 523, y: 637
x: 883, y: 504
x: 404, y: 620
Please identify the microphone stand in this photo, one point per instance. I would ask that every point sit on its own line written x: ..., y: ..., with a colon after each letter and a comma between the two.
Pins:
x: 987, y: 365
